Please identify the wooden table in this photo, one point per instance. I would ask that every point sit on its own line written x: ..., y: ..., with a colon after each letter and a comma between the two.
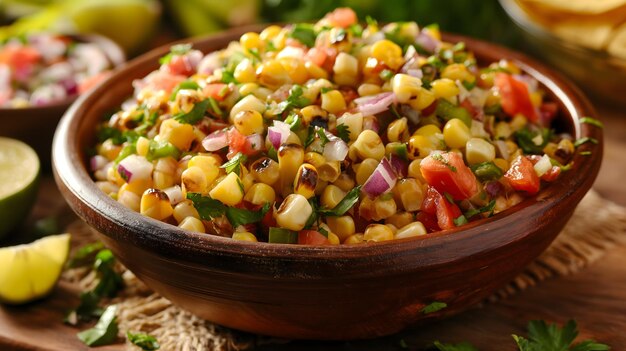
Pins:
x: 595, y: 297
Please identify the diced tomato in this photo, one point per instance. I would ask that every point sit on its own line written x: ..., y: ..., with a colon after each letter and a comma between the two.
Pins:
x: 447, y: 173
x: 429, y: 221
x: 164, y: 81
x: 437, y: 212
x: 515, y: 98
x: 312, y: 237
x: 447, y: 212
x: 342, y: 17
x: 237, y: 143
x: 316, y: 56
x: 429, y: 204
x: 331, y: 56
x: 92, y: 81
x: 179, y: 65
x: 522, y: 176
x: 552, y: 174
x: 218, y: 91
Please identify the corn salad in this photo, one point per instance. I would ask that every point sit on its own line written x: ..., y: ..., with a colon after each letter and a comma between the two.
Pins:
x: 329, y: 133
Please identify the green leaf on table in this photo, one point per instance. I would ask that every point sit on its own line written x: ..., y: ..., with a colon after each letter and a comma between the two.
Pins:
x: 434, y: 307
x: 549, y: 337
x: 85, y: 255
x: 145, y: 341
x: 464, y: 346
x: 104, y: 332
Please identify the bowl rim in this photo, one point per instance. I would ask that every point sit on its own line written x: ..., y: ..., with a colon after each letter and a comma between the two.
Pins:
x: 79, y: 189
x: 111, y: 49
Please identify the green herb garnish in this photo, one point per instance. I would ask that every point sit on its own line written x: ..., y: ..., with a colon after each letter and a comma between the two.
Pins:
x: 104, y: 332
x: 145, y: 341
x: 343, y: 132
x: 485, y: 209
x: 592, y: 121
x: 321, y: 133
x: 585, y: 153
x: 160, y: 149
x: 295, y: 99
x: 526, y: 140
x: 460, y: 220
x: 585, y: 140
x: 549, y: 337
x: 344, y: 205
x: 186, y: 85
x: 487, y: 171
x: 434, y: 307
x: 304, y: 33
x: 241, y: 216
x: 207, y: 208
x: 234, y: 164
x: 282, y: 236
x: 195, y: 115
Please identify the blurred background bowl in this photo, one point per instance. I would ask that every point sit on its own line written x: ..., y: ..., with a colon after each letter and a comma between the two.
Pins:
x: 596, y: 71
x: 35, y: 125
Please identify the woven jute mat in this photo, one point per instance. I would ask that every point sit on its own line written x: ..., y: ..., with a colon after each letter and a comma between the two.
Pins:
x: 596, y: 226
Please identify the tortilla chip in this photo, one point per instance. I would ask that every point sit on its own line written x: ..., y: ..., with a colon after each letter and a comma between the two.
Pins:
x: 580, y: 6
x: 617, y: 45
x: 591, y: 35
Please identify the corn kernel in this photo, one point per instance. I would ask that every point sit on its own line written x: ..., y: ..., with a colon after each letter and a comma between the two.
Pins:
x: 247, y: 103
x: 229, y: 191
x: 333, y: 239
x: 424, y: 99
x: 398, y: 130
x: 247, y: 88
x: 367, y: 89
x: 331, y: 196
x: 294, y: 212
x: 354, y: 122
x: 400, y: 219
x: 129, y: 199
x: 260, y: 194
x: 194, y: 181
x: 377, y: 232
x: 387, y: 52
x: 408, y: 193
x: 342, y: 226
x: 354, y: 239
x: 305, y: 181
x: 142, y: 145
x: 333, y: 101
x: 369, y: 145
x: 244, y: 236
x: 183, y: 210
x: 411, y: 230
x: 384, y: 208
x: 518, y: 122
x: 265, y: 170
x: 315, y: 71
x: 458, y: 71
x: 295, y: 69
x: 178, y: 134
x: 249, y: 122
x: 502, y: 130
x: 192, y: 224
x: 155, y: 204
x: 245, y: 72
x: 270, y: 32
x: 405, y: 87
x: 290, y: 157
x: 344, y: 182
x: 314, y: 158
x: 445, y: 88
x: 456, y: 133
x: 272, y: 74
x: 313, y: 112
x: 346, y: 64
x: 365, y: 170
x: 502, y: 164
x: 479, y: 150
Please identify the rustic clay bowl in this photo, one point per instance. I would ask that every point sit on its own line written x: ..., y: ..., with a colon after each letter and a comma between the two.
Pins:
x: 35, y: 125
x: 344, y: 292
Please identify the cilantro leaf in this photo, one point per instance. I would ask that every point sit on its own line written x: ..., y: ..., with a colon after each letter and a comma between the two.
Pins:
x: 344, y: 205
x: 145, y: 341
x: 185, y: 85
x: 304, y: 33
x: 464, y: 346
x: 526, y: 140
x: 592, y: 121
x: 460, y: 220
x: 295, y: 99
x: 343, y: 131
x: 434, y: 307
x: 195, y: 115
x: 228, y: 76
x: 241, y: 216
x: 585, y: 140
x: 485, y: 209
x: 207, y: 207
x: 549, y: 337
x: 234, y: 164
x: 104, y: 332
x: 321, y: 133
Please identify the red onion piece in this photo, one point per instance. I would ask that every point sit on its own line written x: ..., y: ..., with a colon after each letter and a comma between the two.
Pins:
x: 215, y: 141
x: 400, y: 166
x: 371, y: 105
x: 427, y: 42
x: 135, y: 167
x: 494, y: 188
x: 382, y: 180
x: 278, y: 133
x: 98, y: 162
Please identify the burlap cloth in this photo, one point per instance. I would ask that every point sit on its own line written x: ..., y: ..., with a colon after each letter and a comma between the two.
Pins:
x: 596, y: 226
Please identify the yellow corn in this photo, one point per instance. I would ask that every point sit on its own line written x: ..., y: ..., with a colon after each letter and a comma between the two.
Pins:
x: 178, y: 134
x: 354, y: 239
x: 192, y: 224
x: 346, y: 64
x: 479, y: 150
x: 399, y: 219
x: 249, y: 122
x: 502, y: 130
x: 265, y: 170
x: 424, y: 99
x: 369, y: 145
x: 247, y: 103
x: 445, y: 88
x: 518, y: 122
x: 315, y: 71
x: 245, y: 72
x: 502, y: 164
x: 108, y: 187
x: 143, y: 146
x: 244, y: 236
x: 209, y: 165
x: 405, y: 87
x: 456, y: 133
x: 333, y: 101
x: 183, y: 210
x: 129, y: 199
x: 384, y: 208
x: 314, y: 88
x: 109, y: 150
x: 345, y: 182
x: 333, y: 239
x: 270, y: 33
x: 260, y: 194
x: 155, y: 204
x: 229, y: 191
x: 294, y: 212
x: 295, y: 69
x: 247, y: 88
x: 314, y: 158
x: 331, y: 196
x: 343, y: 226
x: 290, y: 157
x: 365, y: 170
x: 250, y: 41
x: 458, y: 71
x: 387, y: 52
x: 354, y: 122
x: 377, y: 232
x: 398, y: 130
x: 313, y: 112
x: 419, y: 147
x: 411, y: 230
x: 408, y: 193
x: 194, y: 181
x: 367, y: 89
x: 305, y: 180
x: 272, y: 74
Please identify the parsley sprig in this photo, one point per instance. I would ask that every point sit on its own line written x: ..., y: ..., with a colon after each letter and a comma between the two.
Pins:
x: 209, y: 209
x: 295, y: 99
x: 234, y: 164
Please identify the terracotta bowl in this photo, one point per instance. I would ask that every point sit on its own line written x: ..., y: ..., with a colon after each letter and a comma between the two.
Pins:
x: 36, y: 125
x: 345, y: 292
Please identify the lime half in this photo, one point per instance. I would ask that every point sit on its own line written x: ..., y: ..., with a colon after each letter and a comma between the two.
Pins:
x: 19, y: 175
x: 29, y: 272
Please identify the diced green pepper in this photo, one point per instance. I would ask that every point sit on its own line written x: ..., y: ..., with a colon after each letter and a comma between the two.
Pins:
x: 486, y: 171
x: 282, y: 236
x: 160, y: 149
x: 448, y: 111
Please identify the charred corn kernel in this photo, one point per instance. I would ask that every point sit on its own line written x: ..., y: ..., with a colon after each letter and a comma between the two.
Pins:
x: 479, y: 150
x: 369, y: 145
x: 244, y: 236
x: 399, y: 219
x: 290, y: 157
x: 129, y: 199
x: 342, y: 226
x: 384, y: 207
x: 387, y: 52
x: 296, y: 69
x: 229, y: 191
x: 305, y: 181
x: 367, y: 89
x: 518, y: 122
x: 456, y: 133
x: 365, y: 170
x: 314, y: 88
x: 250, y: 41
x: 272, y: 74
x: 458, y: 71
x: 249, y: 122
x: 411, y: 230
x: 270, y: 33
x: 565, y: 149
x: 354, y: 239
x: 354, y: 123
x: 209, y: 165
x: 346, y: 64
x: 142, y: 145
x: 247, y: 88
x: 419, y: 146
x: 405, y: 87
x: 424, y: 99
x: 408, y: 193
x: 502, y: 130
x: 314, y: 158
x: 194, y: 180
x: 178, y: 134
x: 247, y: 103
x: 502, y: 164
x: 313, y: 112
x: 294, y: 212
x: 109, y: 150
x: 331, y: 196
x: 377, y: 232
x: 155, y: 204
x: 398, y: 130
x: 260, y: 194
x: 184, y: 210
x: 550, y: 149
x: 315, y: 71
x: 245, y: 72
x: 329, y: 171
x: 444, y: 88
x: 333, y: 101
x: 344, y: 182
x: 333, y: 239
x: 192, y: 224
x: 265, y: 170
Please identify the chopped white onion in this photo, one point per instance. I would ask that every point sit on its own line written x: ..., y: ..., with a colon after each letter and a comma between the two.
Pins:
x: 215, y: 141
x: 336, y: 149
x: 371, y: 105
x: 256, y: 141
x: 175, y: 194
x: 543, y: 165
x: 135, y: 167
x: 382, y: 180
x: 503, y: 149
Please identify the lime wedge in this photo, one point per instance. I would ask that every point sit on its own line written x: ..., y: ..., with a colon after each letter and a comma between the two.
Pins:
x: 19, y: 175
x: 29, y: 272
